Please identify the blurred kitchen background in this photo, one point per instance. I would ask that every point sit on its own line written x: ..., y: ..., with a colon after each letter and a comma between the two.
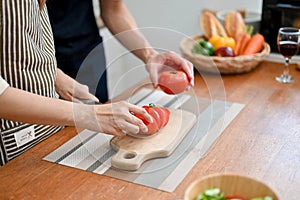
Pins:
x: 165, y: 23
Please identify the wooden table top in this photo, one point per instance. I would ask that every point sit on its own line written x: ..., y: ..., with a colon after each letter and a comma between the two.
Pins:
x: 263, y: 141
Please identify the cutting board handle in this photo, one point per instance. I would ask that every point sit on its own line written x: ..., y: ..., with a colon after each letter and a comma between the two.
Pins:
x: 127, y: 160
x: 132, y: 152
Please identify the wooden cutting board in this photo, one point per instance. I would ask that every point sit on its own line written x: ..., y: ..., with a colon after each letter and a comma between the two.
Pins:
x: 132, y: 152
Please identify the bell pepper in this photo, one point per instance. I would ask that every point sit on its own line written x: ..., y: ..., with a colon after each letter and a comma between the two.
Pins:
x: 203, y: 47
x: 220, y: 41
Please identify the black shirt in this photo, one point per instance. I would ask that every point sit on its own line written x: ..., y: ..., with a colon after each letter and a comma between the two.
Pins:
x: 74, y: 27
x: 78, y: 45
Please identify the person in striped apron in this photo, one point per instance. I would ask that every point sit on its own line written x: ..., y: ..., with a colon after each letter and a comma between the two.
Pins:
x: 31, y: 84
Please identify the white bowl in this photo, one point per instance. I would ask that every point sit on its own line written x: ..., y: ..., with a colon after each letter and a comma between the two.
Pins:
x: 251, y: 18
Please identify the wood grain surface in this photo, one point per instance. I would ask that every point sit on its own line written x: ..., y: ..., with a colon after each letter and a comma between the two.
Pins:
x: 262, y: 142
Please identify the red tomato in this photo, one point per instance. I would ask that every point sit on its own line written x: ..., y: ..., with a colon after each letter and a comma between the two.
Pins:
x: 160, y: 116
x: 152, y: 127
x: 173, y: 81
x: 156, y: 116
x: 164, y: 114
x: 167, y: 116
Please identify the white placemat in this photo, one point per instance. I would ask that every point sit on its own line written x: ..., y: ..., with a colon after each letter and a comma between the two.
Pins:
x: 92, y: 152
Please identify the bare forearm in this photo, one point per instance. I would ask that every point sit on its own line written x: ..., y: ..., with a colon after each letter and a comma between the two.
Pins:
x: 18, y: 105
x: 22, y: 106
x: 120, y: 22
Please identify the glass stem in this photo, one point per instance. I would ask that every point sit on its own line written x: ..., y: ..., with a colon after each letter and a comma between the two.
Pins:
x: 286, y: 68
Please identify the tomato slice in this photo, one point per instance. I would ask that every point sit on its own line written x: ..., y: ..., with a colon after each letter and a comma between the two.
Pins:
x: 160, y: 116
x: 156, y: 116
x: 142, y: 118
x: 163, y: 116
x: 167, y: 113
x: 152, y: 127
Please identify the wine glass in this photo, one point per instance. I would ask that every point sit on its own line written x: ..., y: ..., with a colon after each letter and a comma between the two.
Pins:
x: 288, y: 46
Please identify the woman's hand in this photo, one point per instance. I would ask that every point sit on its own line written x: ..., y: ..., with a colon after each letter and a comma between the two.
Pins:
x: 114, y: 118
x: 162, y: 61
x: 71, y: 90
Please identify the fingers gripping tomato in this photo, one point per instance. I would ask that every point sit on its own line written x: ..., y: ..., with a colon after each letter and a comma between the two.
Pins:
x: 156, y: 115
x: 152, y: 127
x: 173, y: 81
x: 160, y: 116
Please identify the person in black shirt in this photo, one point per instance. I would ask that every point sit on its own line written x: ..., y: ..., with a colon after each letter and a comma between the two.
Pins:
x: 76, y: 36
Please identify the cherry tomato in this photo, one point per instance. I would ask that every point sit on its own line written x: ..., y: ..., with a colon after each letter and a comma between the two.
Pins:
x: 173, y: 81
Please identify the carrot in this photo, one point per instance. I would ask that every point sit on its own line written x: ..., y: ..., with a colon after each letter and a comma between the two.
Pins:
x: 244, y: 44
x: 238, y: 44
x: 242, y: 39
x: 254, y: 45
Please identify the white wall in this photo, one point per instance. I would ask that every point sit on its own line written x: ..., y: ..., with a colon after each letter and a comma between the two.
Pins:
x: 170, y: 21
x: 123, y: 69
x: 182, y: 15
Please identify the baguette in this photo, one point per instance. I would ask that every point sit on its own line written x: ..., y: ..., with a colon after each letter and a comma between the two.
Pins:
x: 210, y: 25
x: 234, y: 24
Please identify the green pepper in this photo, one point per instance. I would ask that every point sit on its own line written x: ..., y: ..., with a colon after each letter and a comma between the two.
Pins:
x: 203, y: 47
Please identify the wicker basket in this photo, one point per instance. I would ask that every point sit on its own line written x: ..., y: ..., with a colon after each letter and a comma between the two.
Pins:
x: 223, y: 65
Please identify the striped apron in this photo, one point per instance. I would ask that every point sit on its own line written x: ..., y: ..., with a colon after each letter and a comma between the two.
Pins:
x: 28, y: 63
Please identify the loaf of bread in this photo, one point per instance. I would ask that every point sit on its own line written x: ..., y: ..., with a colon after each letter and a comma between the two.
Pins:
x: 234, y: 24
x: 210, y: 25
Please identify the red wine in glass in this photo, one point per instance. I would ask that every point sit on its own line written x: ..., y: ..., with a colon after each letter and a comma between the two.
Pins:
x: 288, y: 48
x: 288, y: 45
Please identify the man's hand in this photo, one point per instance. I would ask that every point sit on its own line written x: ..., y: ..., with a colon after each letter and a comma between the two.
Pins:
x: 159, y: 62
x: 71, y: 90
